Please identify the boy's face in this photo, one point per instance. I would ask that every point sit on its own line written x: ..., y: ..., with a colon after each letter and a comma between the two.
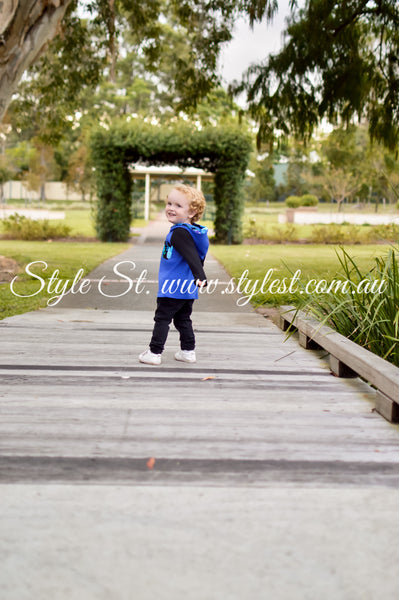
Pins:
x: 178, y: 208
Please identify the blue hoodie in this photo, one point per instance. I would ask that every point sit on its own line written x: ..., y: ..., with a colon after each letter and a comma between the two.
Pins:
x: 176, y: 279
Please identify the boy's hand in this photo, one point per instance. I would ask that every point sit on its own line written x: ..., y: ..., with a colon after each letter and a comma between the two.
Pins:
x: 201, y: 283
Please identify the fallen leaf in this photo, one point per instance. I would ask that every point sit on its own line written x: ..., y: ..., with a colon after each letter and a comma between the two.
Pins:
x: 206, y: 378
x: 151, y: 462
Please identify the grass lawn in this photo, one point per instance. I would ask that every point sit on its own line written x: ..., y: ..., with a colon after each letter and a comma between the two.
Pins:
x: 67, y: 257
x: 80, y: 222
x: 314, y: 262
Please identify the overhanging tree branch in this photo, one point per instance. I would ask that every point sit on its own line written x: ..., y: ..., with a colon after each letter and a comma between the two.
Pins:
x: 26, y: 27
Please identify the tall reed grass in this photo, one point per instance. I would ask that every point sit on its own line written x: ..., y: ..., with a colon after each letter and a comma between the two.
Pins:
x: 366, y: 314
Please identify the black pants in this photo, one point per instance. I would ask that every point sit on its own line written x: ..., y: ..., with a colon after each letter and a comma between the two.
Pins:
x: 180, y: 311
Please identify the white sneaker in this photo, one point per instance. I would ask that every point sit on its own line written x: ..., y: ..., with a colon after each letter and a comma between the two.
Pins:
x: 150, y: 358
x: 186, y: 356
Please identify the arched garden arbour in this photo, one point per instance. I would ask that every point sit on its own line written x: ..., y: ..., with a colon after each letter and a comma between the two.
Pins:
x: 223, y: 151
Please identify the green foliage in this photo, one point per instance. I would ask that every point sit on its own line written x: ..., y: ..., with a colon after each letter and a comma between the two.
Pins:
x: 18, y: 227
x: 223, y: 151
x: 339, y: 62
x: 283, y: 233
x: 370, y: 319
x: 277, y: 234
x: 335, y: 234
x: 159, y: 52
x: 261, y: 187
x: 309, y: 200
x: 72, y: 64
x: 293, y: 201
x: 386, y: 233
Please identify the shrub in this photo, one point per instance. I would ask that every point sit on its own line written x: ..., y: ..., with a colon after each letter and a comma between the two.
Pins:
x: 333, y: 233
x: 283, y: 233
x: 327, y: 234
x: 19, y: 227
x: 369, y: 318
x: 293, y: 201
x: 386, y: 233
x: 250, y: 229
x: 309, y: 200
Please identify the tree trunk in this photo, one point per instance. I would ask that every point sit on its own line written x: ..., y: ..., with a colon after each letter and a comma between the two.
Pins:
x: 112, y: 42
x: 43, y: 177
x: 25, y: 28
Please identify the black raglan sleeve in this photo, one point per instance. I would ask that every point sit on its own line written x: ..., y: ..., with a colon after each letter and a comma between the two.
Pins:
x: 183, y: 242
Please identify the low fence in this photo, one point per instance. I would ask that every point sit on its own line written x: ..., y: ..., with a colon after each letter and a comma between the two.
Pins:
x: 35, y: 215
x: 313, y: 217
x: 54, y: 190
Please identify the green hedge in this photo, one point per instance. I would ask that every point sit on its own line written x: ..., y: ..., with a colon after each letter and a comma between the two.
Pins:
x: 309, y: 200
x: 293, y: 201
x: 222, y: 151
x: 305, y: 200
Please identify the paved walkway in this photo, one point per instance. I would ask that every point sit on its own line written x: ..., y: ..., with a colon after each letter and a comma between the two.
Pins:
x: 252, y: 474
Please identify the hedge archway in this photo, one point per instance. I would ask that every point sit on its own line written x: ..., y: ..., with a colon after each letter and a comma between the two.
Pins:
x: 223, y: 151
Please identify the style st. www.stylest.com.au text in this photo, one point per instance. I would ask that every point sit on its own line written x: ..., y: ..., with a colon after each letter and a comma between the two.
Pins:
x: 247, y: 288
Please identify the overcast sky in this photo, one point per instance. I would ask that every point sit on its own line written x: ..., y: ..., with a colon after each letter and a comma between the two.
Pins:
x: 252, y: 46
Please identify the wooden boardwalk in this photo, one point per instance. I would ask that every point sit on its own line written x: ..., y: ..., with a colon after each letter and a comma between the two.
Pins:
x: 268, y: 473
x: 74, y: 389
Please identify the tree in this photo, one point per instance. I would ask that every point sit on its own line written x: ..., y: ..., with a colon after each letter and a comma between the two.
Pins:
x: 339, y: 61
x: 6, y: 173
x: 350, y: 151
x: 261, y: 187
x: 80, y: 172
x: 339, y: 184
x: 26, y: 27
x: 42, y: 166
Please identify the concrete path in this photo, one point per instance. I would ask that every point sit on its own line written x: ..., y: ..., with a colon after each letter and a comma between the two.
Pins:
x: 252, y: 474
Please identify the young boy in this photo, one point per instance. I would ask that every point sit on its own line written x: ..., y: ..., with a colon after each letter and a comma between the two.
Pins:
x: 180, y: 274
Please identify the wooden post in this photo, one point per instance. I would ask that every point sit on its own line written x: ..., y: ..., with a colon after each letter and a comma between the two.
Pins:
x: 387, y: 407
x: 340, y: 369
x: 307, y: 342
x: 199, y: 182
x: 147, y: 196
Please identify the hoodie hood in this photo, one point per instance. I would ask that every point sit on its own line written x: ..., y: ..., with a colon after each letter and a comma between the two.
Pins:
x: 199, y: 233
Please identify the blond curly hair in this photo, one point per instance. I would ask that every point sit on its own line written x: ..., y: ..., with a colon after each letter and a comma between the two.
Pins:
x: 196, y: 200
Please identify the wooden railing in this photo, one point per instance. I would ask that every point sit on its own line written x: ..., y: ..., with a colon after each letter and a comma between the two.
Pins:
x: 348, y: 359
